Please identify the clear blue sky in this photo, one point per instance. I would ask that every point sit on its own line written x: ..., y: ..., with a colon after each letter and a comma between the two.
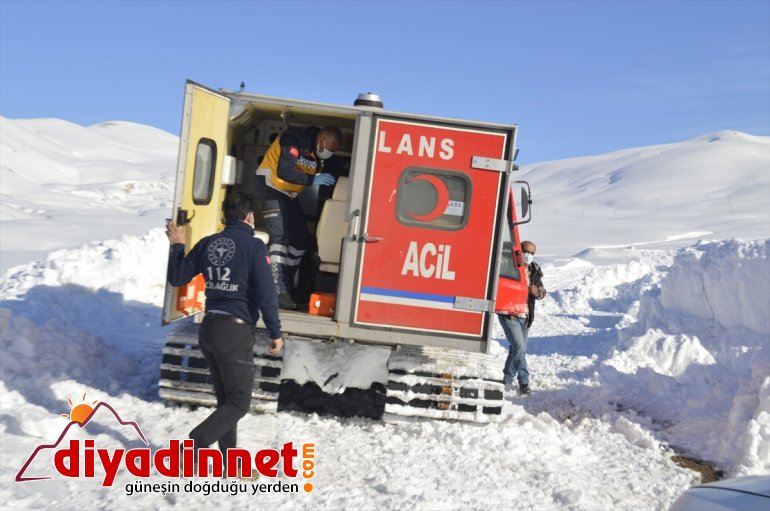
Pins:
x: 579, y: 78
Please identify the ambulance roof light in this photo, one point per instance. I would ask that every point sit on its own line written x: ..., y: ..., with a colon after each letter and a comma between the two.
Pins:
x: 368, y: 99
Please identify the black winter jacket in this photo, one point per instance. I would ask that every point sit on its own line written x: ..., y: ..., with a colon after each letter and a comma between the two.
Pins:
x: 236, y: 267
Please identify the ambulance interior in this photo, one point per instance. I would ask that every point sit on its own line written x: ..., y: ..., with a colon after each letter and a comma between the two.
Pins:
x: 252, y: 129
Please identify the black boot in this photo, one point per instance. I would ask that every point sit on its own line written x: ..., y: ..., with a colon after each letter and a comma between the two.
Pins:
x: 285, y: 302
x: 289, y: 272
x: 284, y: 298
x: 295, y: 290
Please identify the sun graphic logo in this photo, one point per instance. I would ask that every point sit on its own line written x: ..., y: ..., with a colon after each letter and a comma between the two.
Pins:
x: 80, y: 412
x: 66, y: 455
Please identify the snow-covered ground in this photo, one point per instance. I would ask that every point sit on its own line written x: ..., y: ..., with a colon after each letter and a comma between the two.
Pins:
x: 650, y: 342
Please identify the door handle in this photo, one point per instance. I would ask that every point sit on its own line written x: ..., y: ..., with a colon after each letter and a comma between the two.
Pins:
x: 355, y: 218
x: 354, y: 221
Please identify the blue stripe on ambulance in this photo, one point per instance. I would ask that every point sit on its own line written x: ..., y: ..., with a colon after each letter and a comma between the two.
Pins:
x: 399, y: 297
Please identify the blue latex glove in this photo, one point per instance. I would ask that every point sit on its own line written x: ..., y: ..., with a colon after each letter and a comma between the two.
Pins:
x: 323, y: 179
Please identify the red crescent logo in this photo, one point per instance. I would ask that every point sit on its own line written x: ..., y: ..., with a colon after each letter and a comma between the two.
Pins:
x: 442, y: 200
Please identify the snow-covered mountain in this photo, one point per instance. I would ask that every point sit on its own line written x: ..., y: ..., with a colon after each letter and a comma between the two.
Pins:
x: 649, y: 343
x: 63, y: 185
x: 715, y: 186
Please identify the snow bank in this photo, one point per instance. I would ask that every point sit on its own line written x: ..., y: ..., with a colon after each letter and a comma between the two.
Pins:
x: 727, y: 282
x: 133, y: 267
x: 91, y: 314
x: 610, y: 287
x: 694, y: 354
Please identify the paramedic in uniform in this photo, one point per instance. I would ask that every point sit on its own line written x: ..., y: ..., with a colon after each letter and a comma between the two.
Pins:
x: 516, y: 327
x: 293, y: 161
x: 239, y: 286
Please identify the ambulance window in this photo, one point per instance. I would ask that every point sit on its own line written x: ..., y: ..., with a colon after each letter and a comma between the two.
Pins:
x: 433, y: 198
x: 203, y: 176
x: 507, y: 264
x: 508, y: 267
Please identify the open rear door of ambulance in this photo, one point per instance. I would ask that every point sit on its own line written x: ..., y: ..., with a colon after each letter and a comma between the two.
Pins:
x: 199, y: 193
x: 430, y: 227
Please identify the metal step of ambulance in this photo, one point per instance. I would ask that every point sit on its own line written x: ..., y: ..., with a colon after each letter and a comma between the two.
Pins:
x: 444, y: 384
x: 184, y: 377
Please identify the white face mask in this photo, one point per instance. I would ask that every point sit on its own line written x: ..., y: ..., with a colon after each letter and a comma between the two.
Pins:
x: 528, y: 258
x: 323, y: 154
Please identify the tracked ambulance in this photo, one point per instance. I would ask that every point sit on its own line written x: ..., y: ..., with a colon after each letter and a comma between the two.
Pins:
x: 416, y: 248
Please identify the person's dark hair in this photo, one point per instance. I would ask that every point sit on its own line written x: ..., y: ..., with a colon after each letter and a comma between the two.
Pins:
x: 333, y: 133
x: 237, y: 205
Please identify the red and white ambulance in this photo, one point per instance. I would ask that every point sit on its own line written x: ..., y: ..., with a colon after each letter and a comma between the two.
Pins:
x: 417, y: 248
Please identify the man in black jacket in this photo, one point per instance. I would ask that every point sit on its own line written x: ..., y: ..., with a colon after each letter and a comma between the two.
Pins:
x: 516, y: 327
x: 239, y: 286
x: 293, y: 161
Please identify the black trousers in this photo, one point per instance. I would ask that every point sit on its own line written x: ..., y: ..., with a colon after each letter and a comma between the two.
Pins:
x: 229, y: 351
x: 284, y: 223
